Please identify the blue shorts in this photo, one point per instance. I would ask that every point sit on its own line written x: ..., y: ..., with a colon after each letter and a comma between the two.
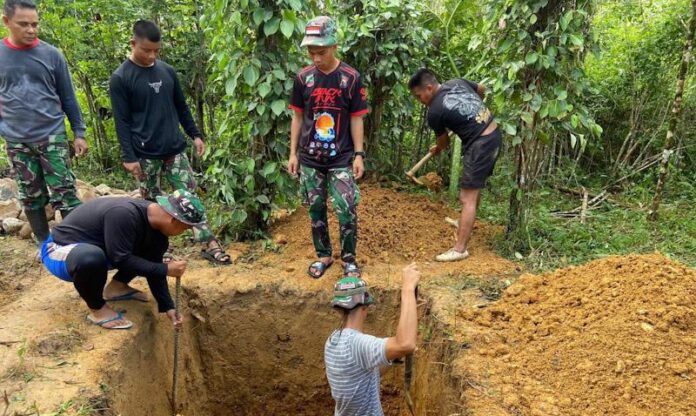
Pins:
x: 53, y: 257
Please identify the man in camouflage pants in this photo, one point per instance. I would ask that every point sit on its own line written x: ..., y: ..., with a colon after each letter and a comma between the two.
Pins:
x: 36, y: 94
x: 329, y: 101
x: 149, y: 106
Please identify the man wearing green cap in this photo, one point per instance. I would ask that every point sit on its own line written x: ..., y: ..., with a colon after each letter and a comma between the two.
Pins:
x: 126, y: 234
x: 352, y: 358
x: 326, y: 143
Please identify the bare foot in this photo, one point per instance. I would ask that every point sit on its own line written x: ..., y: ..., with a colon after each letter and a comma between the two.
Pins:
x: 116, y: 289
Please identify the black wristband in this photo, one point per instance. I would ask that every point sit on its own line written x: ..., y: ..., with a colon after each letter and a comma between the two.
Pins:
x: 361, y: 154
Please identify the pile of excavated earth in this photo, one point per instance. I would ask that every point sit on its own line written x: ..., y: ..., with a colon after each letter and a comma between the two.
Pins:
x: 612, y: 337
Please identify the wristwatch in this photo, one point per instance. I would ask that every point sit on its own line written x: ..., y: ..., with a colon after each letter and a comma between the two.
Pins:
x: 360, y: 153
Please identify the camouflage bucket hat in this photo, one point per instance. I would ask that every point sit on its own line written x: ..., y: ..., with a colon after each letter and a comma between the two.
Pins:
x: 320, y: 31
x: 351, y: 292
x: 184, y: 206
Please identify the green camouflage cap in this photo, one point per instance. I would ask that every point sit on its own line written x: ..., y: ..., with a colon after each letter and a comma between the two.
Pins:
x: 184, y: 206
x: 320, y: 31
x: 351, y: 292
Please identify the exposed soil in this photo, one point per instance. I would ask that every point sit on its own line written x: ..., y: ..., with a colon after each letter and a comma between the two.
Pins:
x: 397, y: 227
x: 614, y: 337
x: 254, y: 331
x: 230, y: 366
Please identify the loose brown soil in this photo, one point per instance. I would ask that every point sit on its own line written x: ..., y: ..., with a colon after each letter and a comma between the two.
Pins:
x: 612, y: 337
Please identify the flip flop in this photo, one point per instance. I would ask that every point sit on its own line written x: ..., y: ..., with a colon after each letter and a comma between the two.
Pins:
x: 106, y: 321
x: 320, y: 267
x: 127, y: 296
x: 452, y: 255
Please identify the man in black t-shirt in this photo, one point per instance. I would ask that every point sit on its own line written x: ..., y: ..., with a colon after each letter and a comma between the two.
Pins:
x: 457, y: 106
x: 149, y: 106
x: 329, y: 101
x: 129, y: 235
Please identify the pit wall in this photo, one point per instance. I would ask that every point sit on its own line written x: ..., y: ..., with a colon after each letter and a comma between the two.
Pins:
x: 261, y: 353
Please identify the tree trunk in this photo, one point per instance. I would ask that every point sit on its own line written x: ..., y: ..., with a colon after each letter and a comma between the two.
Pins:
x: 676, y: 111
x: 101, y: 142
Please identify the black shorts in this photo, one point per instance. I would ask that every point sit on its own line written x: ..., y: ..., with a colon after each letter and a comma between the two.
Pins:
x: 479, y: 160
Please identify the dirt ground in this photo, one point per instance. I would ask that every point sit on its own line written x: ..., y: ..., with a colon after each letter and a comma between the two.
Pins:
x: 614, y: 337
x: 611, y: 337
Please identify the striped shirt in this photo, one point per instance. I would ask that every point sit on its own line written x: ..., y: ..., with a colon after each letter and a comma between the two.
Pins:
x: 352, y: 366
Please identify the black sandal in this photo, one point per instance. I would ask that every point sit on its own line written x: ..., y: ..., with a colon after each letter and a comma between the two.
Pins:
x: 319, y: 266
x: 217, y: 256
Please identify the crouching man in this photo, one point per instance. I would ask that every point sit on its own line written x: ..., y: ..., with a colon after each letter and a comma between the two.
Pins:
x: 125, y: 234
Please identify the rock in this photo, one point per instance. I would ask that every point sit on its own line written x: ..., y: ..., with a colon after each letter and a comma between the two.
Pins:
x: 135, y: 194
x: 8, y: 189
x: 12, y: 225
x: 103, y: 189
x: 515, y: 289
x: 10, y: 209
x: 647, y: 327
x: 58, y: 218
x: 120, y: 192
x: 280, y: 239
x: 86, y: 194
x: 25, y: 232
x: 620, y: 367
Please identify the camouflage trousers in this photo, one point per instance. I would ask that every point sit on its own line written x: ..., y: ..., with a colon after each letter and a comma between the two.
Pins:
x: 43, y: 174
x: 345, y: 196
x: 177, y: 171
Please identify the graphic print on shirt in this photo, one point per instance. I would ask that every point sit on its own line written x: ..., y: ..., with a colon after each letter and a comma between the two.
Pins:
x: 323, y: 142
x: 310, y: 80
x: 467, y: 104
x: 156, y: 86
x: 325, y: 96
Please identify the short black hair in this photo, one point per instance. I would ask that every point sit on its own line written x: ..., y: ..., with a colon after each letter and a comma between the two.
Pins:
x: 11, y: 5
x: 146, y: 29
x: 422, y: 77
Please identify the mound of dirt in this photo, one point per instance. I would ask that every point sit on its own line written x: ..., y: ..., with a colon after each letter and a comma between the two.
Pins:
x: 390, y: 223
x: 614, y: 337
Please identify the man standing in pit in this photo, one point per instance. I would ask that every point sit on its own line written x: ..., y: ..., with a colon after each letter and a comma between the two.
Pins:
x: 326, y: 143
x: 352, y: 358
x: 457, y: 105
x: 149, y: 106
x: 36, y: 94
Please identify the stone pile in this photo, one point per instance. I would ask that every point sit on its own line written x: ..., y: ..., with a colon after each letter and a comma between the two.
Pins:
x: 13, y: 221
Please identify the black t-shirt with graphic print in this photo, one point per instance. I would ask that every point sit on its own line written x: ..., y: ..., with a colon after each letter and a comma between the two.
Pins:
x: 327, y: 102
x: 148, y: 106
x: 457, y: 107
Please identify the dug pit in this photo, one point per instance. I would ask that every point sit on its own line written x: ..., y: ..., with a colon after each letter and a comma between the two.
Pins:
x: 261, y: 353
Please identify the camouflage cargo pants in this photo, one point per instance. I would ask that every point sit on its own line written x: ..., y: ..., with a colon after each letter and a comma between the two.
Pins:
x: 43, y: 174
x: 177, y: 171
x: 345, y: 196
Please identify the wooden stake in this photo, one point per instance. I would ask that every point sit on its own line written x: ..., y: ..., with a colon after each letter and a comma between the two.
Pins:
x: 175, y: 375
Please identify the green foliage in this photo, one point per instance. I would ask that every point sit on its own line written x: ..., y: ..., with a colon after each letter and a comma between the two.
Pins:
x: 634, y: 77
x: 383, y: 39
x: 540, y: 82
x: 257, y: 61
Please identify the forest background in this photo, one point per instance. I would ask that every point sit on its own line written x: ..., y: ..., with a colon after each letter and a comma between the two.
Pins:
x: 596, y: 98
